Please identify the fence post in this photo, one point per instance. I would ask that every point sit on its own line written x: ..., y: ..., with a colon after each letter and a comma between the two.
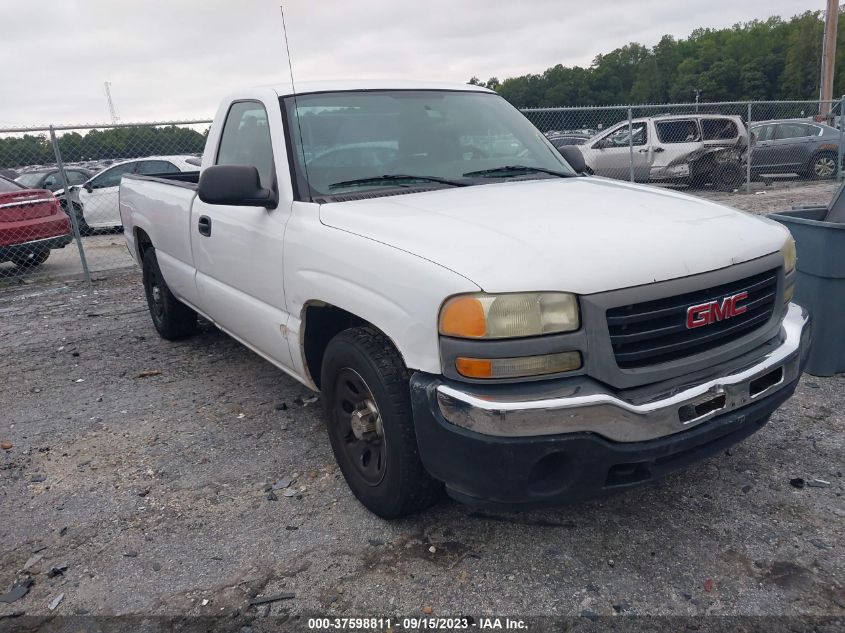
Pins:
x: 841, y: 133
x: 631, y: 142
x: 69, y: 205
x: 749, y: 152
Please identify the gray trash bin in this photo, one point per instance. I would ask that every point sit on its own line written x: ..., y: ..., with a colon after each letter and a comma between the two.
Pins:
x: 820, y: 282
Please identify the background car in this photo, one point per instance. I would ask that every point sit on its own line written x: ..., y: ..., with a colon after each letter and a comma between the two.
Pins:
x: 31, y: 223
x: 50, y: 179
x: 795, y: 146
x: 562, y: 140
x: 686, y: 149
x: 95, y: 202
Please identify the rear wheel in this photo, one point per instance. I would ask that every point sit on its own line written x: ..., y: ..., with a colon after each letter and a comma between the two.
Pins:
x: 31, y: 259
x: 172, y: 319
x: 823, y: 166
x: 726, y: 176
x: 367, y: 403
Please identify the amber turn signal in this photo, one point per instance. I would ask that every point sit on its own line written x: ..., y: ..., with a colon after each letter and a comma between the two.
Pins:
x: 519, y: 367
x: 463, y: 316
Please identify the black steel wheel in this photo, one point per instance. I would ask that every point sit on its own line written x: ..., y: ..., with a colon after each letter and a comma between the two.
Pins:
x: 358, y: 427
x: 370, y: 423
x: 172, y: 319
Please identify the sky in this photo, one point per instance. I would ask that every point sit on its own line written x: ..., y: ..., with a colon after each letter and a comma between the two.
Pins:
x: 174, y: 59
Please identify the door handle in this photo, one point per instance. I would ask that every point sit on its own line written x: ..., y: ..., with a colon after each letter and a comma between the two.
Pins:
x: 643, y: 151
x: 657, y: 150
x: 204, y: 225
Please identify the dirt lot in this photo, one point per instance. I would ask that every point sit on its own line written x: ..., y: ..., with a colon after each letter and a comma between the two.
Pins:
x: 779, y: 195
x: 142, y: 465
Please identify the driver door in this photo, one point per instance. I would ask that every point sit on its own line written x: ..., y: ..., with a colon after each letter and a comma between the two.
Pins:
x: 239, y: 250
x: 611, y: 155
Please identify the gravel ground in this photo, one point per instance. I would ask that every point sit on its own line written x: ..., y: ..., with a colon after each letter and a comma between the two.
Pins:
x: 780, y: 195
x: 142, y: 466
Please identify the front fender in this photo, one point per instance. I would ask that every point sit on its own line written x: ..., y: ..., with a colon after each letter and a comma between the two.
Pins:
x: 395, y: 291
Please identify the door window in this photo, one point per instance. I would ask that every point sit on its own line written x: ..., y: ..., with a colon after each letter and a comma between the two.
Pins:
x: 51, y: 181
x: 111, y: 177
x: 684, y: 131
x: 246, y: 140
x: 718, y: 129
x: 76, y: 177
x: 764, y: 132
x: 791, y: 130
x: 619, y: 137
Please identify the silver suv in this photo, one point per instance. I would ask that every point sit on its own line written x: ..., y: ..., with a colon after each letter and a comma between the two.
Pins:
x: 690, y: 149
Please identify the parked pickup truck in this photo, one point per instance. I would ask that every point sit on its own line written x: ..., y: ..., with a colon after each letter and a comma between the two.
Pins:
x: 478, y: 316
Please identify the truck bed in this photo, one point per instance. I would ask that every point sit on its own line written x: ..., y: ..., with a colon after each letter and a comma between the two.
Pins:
x: 189, y: 179
x: 160, y: 206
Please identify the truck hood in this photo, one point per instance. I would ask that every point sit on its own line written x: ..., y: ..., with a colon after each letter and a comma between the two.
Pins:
x: 581, y: 235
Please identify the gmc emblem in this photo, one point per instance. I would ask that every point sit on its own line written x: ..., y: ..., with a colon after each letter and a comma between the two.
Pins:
x: 713, y: 311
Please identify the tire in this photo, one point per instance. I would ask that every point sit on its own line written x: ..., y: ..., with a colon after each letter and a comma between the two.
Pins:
x: 823, y: 166
x: 369, y: 419
x: 172, y: 319
x: 32, y: 259
x: 726, y: 176
x: 84, y: 229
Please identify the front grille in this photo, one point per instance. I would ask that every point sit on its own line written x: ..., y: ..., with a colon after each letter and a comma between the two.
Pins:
x: 656, y: 331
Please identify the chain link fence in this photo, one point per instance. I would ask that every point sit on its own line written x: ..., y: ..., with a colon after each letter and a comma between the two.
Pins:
x: 733, y: 146
x: 59, y: 212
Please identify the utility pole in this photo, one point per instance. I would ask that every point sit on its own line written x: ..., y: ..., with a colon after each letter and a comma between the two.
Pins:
x: 831, y: 21
x: 112, y: 111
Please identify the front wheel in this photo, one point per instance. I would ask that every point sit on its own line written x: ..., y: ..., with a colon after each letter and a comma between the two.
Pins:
x: 172, y: 319
x: 367, y: 403
x: 84, y: 229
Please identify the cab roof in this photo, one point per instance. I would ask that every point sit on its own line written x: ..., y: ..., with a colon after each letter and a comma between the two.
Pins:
x: 343, y: 85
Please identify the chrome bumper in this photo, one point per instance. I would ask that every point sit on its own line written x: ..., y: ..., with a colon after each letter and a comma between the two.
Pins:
x: 578, y: 409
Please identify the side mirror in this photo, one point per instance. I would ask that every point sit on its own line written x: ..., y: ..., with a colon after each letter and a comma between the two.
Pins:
x: 235, y: 185
x: 572, y: 155
x: 88, y: 187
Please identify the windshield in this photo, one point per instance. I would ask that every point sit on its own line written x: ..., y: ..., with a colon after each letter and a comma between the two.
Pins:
x: 347, y: 143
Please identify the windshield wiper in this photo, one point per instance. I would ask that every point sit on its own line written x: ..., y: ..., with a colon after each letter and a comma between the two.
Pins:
x: 395, y: 177
x: 525, y: 169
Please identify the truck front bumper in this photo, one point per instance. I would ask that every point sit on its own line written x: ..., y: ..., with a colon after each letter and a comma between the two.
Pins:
x: 538, y: 444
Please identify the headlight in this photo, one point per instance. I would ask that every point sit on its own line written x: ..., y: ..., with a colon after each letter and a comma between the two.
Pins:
x: 514, y: 315
x: 789, y: 255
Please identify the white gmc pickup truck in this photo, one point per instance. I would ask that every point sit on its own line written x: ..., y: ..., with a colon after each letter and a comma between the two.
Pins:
x: 478, y: 315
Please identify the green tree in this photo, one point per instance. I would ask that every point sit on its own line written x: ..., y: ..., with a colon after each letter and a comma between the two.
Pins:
x: 766, y: 59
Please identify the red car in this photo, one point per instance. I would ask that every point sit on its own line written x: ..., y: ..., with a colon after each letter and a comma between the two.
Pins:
x: 31, y: 223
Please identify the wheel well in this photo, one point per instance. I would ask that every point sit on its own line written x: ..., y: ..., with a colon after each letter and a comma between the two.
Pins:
x: 142, y: 242
x: 823, y: 152
x: 322, y: 323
